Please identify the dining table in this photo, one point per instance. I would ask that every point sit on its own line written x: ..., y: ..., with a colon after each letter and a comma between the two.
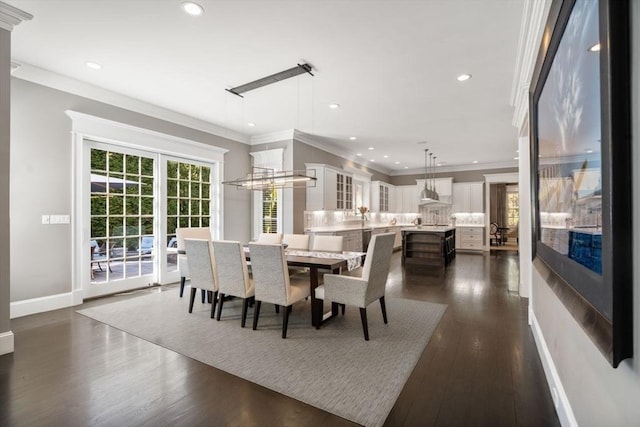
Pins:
x: 316, y: 261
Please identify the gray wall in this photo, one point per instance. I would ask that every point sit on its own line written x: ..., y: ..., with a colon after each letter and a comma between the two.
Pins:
x: 5, y: 250
x: 599, y: 395
x: 41, y: 171
x: 461, y: 176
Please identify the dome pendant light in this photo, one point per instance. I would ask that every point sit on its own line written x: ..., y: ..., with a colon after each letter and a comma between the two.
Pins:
x: 428, y: 193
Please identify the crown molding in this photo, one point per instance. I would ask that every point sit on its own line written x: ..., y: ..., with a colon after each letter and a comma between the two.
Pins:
x: 11, y: 16
x: 534, y: 15
x: 305, y: 138
x: 459, y: 168
x: 57, y: 81
x: 267, y: 138
x: 14, y: 66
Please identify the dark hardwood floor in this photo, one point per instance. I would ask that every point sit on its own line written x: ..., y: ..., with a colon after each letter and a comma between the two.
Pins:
x: 480, y: 368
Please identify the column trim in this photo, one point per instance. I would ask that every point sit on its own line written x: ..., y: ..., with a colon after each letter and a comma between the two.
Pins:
x: 11, y: 16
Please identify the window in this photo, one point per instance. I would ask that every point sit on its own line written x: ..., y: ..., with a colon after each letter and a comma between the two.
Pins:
x: 270, y: 211
x: 512, y: 210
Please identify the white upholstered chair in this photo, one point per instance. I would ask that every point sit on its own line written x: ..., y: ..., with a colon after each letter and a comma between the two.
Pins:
x: 270, y: 238
x: 361, y: 291
x: 232, y: 275
x: 272, y: 282
x: 202, y: 269
x: 188, y: 233
x: 322, y: 243
x: 298, y: 242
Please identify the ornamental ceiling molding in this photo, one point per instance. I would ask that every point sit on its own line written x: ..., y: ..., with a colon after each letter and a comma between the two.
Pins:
x: 11, y: 16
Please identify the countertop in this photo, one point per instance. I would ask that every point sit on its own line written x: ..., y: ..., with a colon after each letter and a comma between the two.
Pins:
x: 429, y: 229
x: 469, y: 225
x: 350, y: 228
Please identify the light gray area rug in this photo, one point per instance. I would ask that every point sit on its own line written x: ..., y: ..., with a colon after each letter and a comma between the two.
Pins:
x: 332, y: 368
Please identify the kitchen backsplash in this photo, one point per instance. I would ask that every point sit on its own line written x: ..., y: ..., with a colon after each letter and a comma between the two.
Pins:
x: 315, y: 219
x: 469, y: 219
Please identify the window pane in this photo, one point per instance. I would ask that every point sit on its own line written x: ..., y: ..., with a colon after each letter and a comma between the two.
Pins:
x: 146, y: 166
x: 183, y: 189
x: 98, y: 160
x: 172, y: 224
x: 206, y: 174
x: 132, y: 205
x: 116, y: 204
x: 172, y: 188
x: 146, y: 189
x: 195, y: 222
x: 172, y: 169
x: 133, y: 164
x: 132, y: 184
x: 205, y: 191
x: 116, y: 162
x: 99, y: 205
x: 172, y: 206
x: 195, y: 207
x: 98, y: 227
x: 183, y: 171
x: 116, y: 183
x: 146, y: 205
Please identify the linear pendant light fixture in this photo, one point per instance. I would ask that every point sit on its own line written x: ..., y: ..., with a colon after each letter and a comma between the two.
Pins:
x: 274, y: 78
x: 261, y: 179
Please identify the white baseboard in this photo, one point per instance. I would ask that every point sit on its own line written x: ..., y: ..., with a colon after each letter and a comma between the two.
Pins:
x: 6, y: 343
x: 42, y: 304
x: 560, y: 399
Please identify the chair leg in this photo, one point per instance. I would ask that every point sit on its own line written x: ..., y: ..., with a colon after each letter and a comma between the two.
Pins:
x: 245, y: 305
x: 384, y: 309
x: 203, y: 292
x: 317, y: 307
x: 365, y: 328
x: 343, y: 307
x: 285, y: 321
x: 215, y: 300
x: 256, y: 314
x: 209, y: 295
x: 192, y: 299
x: 219, y: 307
x: 183, y: 281
x: 277, y: 309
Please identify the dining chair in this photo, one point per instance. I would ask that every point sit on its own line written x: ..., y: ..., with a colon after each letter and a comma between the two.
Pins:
x: 183, y: 266
x: 322, y: 243
x: 232, y: 275
x: 202, y: 268
x: 298, y: 242
x: 272, y: 282
x: 361, y: 291
x: 269, y: 238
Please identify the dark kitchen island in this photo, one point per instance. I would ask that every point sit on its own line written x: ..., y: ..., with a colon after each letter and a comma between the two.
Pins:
x: 428, y: 245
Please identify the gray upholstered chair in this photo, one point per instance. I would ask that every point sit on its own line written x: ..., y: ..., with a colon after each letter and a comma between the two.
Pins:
x: 272, y: 282
x: 298, y: 242
x: 322, y: 243
x: 269, y: 238
x: 361, y: 291
x: 232, y: 275
x: 183, y: 266
x: 202, y: 269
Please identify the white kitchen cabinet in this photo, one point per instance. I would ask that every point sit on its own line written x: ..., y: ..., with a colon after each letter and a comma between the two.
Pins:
x: 467, y: 197
x: 469, y: 238
x: 333, y: 189
x: 407, y: 199
x: 382, y: 197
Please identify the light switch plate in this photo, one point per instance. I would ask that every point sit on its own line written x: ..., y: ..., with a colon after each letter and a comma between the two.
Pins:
x: 45, y: 219
x: 60, y: 219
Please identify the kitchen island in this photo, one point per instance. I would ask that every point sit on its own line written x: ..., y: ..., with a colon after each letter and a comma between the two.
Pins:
x: 428, y: 245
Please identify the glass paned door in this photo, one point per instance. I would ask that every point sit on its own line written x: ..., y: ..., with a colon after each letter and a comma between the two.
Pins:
x: 122, y: 220
x: 188, y: 201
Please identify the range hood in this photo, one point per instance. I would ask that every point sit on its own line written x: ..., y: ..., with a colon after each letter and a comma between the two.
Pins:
x: 442, y: 201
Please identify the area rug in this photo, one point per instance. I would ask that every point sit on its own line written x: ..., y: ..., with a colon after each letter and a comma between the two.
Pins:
x: 332, y: 368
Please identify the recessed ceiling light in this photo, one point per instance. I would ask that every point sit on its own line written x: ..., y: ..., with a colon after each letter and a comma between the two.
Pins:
x: 385, y: 156
x: 334, y: 106
x: 359, y: 154
x: 251, y: 125
x: 371, y: 148
x: 439, y: 164
x: 589, y: 151
x: 474, y: 162
x: 373, y: 160
x: 406, y: 167
x: 595, y: 48
x: 517, y: 151
x: 397, y: 163
x: 192, y: 8
x: 516, y: 158
x: 464, y: 77
x: 94, y: 65
x: 353, y: 138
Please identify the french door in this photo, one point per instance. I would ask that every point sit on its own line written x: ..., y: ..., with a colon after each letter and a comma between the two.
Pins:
x: 137, y: 200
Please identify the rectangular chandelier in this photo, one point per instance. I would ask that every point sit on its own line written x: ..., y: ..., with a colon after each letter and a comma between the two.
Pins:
x: 265, y: 179
x: 274, y: 78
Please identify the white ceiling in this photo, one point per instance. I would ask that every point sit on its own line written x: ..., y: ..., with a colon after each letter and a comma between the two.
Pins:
x: 391, y: 65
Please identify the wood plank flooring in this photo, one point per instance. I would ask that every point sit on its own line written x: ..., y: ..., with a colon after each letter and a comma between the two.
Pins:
x: 480, y: 368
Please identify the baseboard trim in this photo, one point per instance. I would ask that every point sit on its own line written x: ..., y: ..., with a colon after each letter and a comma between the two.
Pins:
x: 560, y: 399
x: 42, y: 304
x: 6, y: 343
